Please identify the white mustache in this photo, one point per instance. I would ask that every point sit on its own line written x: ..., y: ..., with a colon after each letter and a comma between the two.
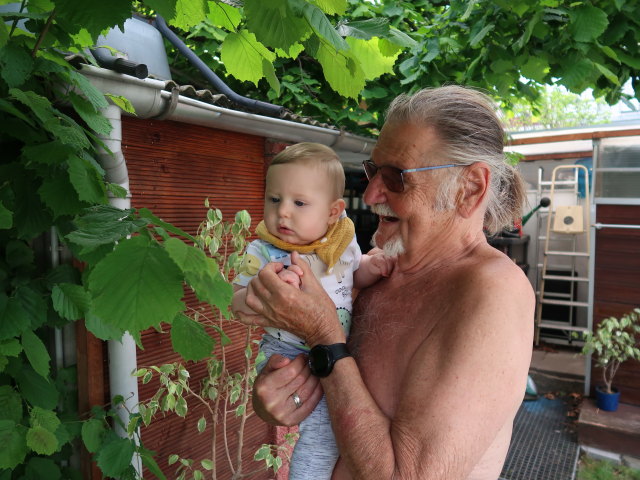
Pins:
x: 383, y: 209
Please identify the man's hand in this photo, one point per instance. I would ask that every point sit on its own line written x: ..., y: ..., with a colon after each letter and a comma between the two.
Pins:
x: 273, y: 389
x: 307, y: 312
x: 291, y: 275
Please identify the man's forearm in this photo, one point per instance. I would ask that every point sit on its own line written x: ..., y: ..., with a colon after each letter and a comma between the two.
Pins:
x: 362, y: 430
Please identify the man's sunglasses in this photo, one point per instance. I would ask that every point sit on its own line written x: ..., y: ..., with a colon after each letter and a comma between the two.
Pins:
x: 393, y: 177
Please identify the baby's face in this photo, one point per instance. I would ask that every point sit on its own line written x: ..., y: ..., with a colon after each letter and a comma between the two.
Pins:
x: 298, y: 207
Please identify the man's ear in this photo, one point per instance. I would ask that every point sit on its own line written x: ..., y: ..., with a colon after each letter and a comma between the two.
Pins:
x: 335, y: 210
x: 475, y: 186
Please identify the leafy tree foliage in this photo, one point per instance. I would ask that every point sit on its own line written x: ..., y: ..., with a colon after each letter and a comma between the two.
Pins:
x: 556, y: 108
x: 509, y: 48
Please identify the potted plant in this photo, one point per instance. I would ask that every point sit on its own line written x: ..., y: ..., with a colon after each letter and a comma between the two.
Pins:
x: 613, y: 342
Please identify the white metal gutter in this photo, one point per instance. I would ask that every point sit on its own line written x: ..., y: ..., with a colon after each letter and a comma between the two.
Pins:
x: 151, y: 100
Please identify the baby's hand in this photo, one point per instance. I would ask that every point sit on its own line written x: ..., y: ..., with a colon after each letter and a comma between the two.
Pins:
x: 381, y: 264
x: 291, y: 275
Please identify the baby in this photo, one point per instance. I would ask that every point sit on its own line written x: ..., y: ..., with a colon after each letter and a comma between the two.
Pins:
x: 304, y: 212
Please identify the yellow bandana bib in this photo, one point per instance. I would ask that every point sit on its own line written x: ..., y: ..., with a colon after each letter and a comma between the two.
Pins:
x: 329, y: 248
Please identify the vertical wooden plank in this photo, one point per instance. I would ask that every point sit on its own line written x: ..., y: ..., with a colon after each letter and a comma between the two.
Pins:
x: 91, y: 388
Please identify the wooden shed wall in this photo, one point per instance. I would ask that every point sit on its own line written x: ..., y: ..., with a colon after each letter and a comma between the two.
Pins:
x: 173, y: 167
x: 617, y: 285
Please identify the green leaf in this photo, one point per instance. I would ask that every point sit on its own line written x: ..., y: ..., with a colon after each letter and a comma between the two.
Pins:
x: 322, y: 27
x: 364, y: 29
x: 4, y: 34
x: 18, y: 254
x: 225, y: 16
x: 372, y: 61
x: 577, y: 73
x: 104, y: 224
x: 136, y: 286
x: 58, y: 194
x: 633, y: 62
x: 400, y: 38
x: 86, y: 180
x: 165, y: 8
x: 201, y: 273
x: 189, y: 13
x: 10, y: 348
x: 102, y: 330
x: 479, y: 36
x: 50, y: 153
x: 146, y: 214
x: 274, y: 23
x: 190, y: 339
x: 70, y: 301
x: 115, y: 457
x: 15, y: 65
x: 38, y: 104
x: 10, y: 404
x: 588, y: 23
x: 344, y: 81
x: 37, y: 390
x: 122, y: 102
x: 202, y: 426
x: 242, y: 55
x: 270, y: 74
x: 90, y: 92
x: 149, y: 462
x: 36, y: 353
x: 93, y: 431
x: 46, y: 419
x: 94, y: 119
x: 39, y: 468
x: 116, y: 190
x: 33, y: 304
x: 41, y: 441
x: 6, y: 217
x: 14, y: 445
x: 536, y: 69
x: 14, y: 318
x: 332, y: 7
x: 93, y: 15
x: 609, y: 75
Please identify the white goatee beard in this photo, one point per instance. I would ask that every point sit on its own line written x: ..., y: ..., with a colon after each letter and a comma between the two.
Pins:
x: 394, y: 246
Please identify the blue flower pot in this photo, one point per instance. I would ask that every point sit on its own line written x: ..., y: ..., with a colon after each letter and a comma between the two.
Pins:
x: 607, y: 401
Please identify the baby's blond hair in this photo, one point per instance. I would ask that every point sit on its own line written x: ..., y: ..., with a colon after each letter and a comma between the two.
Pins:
x: 317, y: 155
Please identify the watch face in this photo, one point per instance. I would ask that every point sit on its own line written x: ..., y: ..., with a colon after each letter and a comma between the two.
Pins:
x: 319, y: 361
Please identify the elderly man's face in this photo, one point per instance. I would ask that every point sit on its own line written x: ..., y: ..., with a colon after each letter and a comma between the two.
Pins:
x: 405, y: 217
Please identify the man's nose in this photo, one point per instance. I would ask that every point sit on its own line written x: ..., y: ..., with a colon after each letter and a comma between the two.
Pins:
x: 375, y: 191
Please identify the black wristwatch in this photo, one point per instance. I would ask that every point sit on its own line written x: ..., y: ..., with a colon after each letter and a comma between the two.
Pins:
x: 322, y: 358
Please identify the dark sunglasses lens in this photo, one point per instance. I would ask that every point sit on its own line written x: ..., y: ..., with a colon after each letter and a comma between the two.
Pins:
x: 370, y: 169
x: 392, y: 178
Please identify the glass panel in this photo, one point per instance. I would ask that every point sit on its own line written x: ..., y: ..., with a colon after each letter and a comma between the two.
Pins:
x: 621, y: 153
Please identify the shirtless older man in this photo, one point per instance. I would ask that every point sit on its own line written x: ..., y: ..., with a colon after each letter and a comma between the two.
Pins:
x: 441, y: 348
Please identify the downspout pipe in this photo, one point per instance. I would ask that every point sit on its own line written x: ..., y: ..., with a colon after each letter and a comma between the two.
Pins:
x: 122, y: 354
x: 252, y: 104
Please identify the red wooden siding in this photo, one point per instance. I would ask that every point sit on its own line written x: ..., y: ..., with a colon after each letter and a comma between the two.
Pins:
x: 617, y: 284
x: 173, y: 167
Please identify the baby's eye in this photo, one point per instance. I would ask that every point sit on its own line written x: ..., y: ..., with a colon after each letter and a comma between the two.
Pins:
x: 274, y: 199
x: 299, y: 203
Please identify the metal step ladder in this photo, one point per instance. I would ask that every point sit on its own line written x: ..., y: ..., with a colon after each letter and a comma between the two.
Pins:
x: 566, y: 239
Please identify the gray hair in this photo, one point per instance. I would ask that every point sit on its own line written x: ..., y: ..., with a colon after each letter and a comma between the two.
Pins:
x: 467, y: 123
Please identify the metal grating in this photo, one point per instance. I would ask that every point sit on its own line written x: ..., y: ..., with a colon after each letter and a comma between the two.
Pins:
x: 543, y: 447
